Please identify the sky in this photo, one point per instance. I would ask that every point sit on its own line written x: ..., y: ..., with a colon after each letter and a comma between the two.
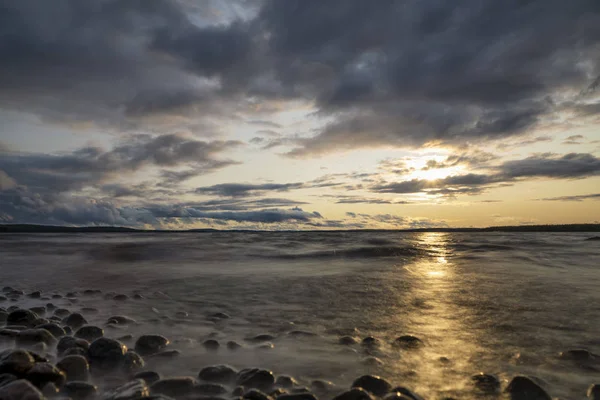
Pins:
x: 299, y: 114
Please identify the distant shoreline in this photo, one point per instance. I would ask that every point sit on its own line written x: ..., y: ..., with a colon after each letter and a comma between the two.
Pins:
x: 30, y: 228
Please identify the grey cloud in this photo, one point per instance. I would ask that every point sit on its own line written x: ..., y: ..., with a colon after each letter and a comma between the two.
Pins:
x: 246, y: 189
x: 580, y: 197
x: 574, y: 139
x: 572, y: 165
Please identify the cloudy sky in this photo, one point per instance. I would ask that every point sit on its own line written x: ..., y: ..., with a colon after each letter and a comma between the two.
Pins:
x: 299, y: 114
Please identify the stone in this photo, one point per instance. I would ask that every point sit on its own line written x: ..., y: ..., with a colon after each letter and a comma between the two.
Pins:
x: 372, y: 384
x: 524, y: 388
x: 211, y: 344
x: 38, y: 310
x: 286, y: 381
x: 50, y: 390
x: 322, y: 386
x: 57, y: 296
x: 21, y: 317
x: 150, y: 344
x: 75, y: 367
x: 218, y: 373
x: 53, y: 328
x: 61, y: 312
x: 219, y: 315
x: 579, y: 355
x: 16, y: 362
x: 121, y: 297
x: 89, y: 333
x: 301, y: 334
x: 138, y: 296
x: 347, y: 340
x: 148, y: 376
x: 121, y: 320
x: 133, y: 390
x: 408, y: 342
x: 35, y: 295
x: 42, y: 373
x: 297, y: 396
x: 300, y: 389
x: 20, y: 390
x: 174, y: 387
x: 593, y: 392
x: 36, y: 357
x: 238, y: 391
x: 370, y: 341
x: 231, y: 345
x: 71, y: 294
x: 354, y: 394
x: 78, y: 390
x: 68, y: 342
x: 398, y: 396
x: 371, y: 361
x: 29, y: 337
x: 50, y: 307
x: 486, y: 383
x: 5, y: 379
x: 254, y: 394
x: 125, y: 337
x: 265, y: 337
x: 75, y: 351
x: 106, y: 354
x: 132, y: 362
x: 255, y: 378
x: 166, y: 354
x: 266, y: 346
x: 75, y: 321
x: 209, y: 389
x: 181, y: 314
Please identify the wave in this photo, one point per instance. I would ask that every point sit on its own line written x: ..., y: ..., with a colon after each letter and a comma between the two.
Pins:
x: 357, y: 252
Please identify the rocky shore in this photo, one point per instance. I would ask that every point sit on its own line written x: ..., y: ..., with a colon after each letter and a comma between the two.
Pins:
x: 53, y: 352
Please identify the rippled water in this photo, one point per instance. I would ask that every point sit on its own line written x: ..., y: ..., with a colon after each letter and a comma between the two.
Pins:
x: 503, y: 303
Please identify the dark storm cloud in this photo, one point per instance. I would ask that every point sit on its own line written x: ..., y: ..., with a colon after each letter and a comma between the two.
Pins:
x: 93, y: 165
x: 409, y: 72
x: 547, y: 165
x: 581, y: 197
x: 247, y: 189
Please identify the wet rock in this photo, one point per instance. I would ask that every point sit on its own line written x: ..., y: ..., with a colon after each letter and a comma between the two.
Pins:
x: 68, y: 330
x: 20, y: 390
x: 347, y: 340
x: 174, y: 387
x: 50, y: 307
x: 42, y: 373
x: 89, y: 333
x: 581, y: 356
x: 75, y: 321
x: 301, y: 334
x: 266, y: 346
x: 150, y: 344
x: 106, y: 354
x: 486, y: 383
x: 132, y: 362
x: 138, y: 296
x: 57, y: 296
x: 75, y: 351
x: 71, y: 295
x: 16, y: 362
x: 40, y: 321
x: 5, y: 379
x: 265, y: 337
x: 75, y: 367
x: 121, y: 320
x: 399, y: 396
x: 593, y: 392
x: 121, y: 297
x: 3, y: 298
x: 354, y: 394
x: 50, y: 390
x: 68, y: 342
x: 17, y: 328
x: 78, y: 390
x: 125, y: 337
x: 297, y: 396
x: 370, y: 341
x: 29, y: 337
x: 277, y: 392
x: 321, y: 386
x: 36, y: 357
x: 286, y: 381
x: 523, y: 388
x: 53, y: 328
x: 300, y: 389
x: 136, y: 389
x: 219, y: 315
x: 218, y: 373
x: 256, y: 378
x: 373, y: 384
x: 148, y: 376
x: 181, y: 314
x: 408, y: 342
x: 61, y: 312
x: 254, y: 394
x: 166, y: 354
x: 211, y: 344
x: 21, y: 317
x: 209, y: 389
x: 371, y: 361
x: 35, y: 295
x: 3, y: 316
x: 231, y: 345
x: 38, y: 310
x: 7, y: 289
x: 238, y: 391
